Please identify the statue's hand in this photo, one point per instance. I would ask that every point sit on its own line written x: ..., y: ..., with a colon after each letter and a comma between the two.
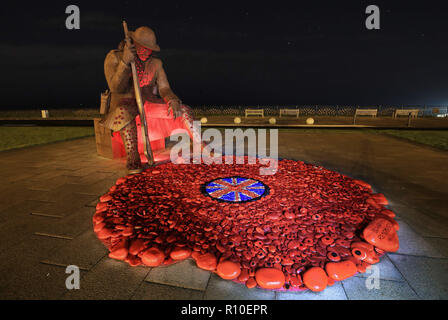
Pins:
x: 129, y: 53
x: 174, y: 106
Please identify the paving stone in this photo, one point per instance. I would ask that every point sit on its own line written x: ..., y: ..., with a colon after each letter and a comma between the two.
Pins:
x: 19, y: 175
x: 220, y: 289
x: 52, y: 208
x: 435, y: 203
x: 184, y: 274
x: 23, y: 277
x: 356, y: 289
x: 64, y: 203
x: 17, y: 222
x: 98, y: 188
x: 67, y: 192
x: 109, y: 280
x: 21, y: 210
x: 78, y: 221
x: 440, y: 244
x: 93, y: 203
x: 65, y: 167
x: 425, y: 223
x: 96, y: 177
x: 153, y: 291
x: 386, y: 269
x: 12, y: 195
x: 37, y: 165
x: 47, y: 215
x: 335, y: 292
x: 84, y: 251
x: 427, y: 276
x: 51, y: 183
x: 32, y: 249
x: 413, y: 244
x: 82, y: 172
x: 38, y: 195
x: 17, y: 231
x: 74, y: 201
x: 40, y: 282
x: 417, y: 192
x: 45, y: 174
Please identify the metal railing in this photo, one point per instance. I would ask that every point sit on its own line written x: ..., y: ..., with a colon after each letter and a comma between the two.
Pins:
x: 316, y: 110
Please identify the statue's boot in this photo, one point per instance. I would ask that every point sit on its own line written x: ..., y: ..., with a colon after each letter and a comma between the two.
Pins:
x: 129, y: 137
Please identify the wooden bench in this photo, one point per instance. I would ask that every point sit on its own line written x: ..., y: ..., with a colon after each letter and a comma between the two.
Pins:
x: 254, y: 112
x: 365, y: 112
x: 413, y: 113
x: 289, y: 112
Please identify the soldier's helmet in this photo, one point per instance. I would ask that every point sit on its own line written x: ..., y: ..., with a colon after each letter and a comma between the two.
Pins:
x: 146, y: 37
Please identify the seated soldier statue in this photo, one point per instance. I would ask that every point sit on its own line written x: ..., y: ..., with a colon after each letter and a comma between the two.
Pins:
x: 164, y: 110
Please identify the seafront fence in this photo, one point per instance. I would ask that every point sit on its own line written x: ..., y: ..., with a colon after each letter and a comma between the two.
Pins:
x: 314, y: 110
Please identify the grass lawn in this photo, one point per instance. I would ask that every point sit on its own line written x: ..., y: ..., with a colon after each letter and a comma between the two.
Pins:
x: 19, y: 137
x: 437, y: 139
x: 54, y: 114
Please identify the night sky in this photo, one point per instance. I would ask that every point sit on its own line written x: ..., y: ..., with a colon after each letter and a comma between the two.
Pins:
x: 232, y: 53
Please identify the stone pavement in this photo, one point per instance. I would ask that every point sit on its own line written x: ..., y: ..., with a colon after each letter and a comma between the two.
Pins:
x: 49, y: 192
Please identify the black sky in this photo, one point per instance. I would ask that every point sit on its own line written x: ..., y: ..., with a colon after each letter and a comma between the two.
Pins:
x: 232, y: 53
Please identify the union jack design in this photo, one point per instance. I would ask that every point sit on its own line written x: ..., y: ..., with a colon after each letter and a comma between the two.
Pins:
x: 235, y: 189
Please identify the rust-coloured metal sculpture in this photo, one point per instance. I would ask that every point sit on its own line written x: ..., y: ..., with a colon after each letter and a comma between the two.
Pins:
x: 139, y: 100
x: 153, y: 87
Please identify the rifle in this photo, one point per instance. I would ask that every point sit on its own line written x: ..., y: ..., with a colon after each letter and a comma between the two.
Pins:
x: 138, y: 97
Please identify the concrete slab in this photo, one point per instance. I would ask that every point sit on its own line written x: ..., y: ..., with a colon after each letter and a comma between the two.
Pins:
x: 93, y: 203
x: 153, y: 291
x: 427, y: 276
x: 335, y: 292
x: 220, y: 289
x: 23, y: 277
x: 356, y: 289
x: 99, y: 187
x: 412, y: 243
x: 386, y: 270
x: 440, y: 244
x: 183, y: 274
x: 74, y: 177
x: 50, y: 183
x: 44, y: 174
x: 73, y: 201
x: 426, y: 224
x: 21, y: 210
x: 76, y: 222
x: 85, y: 251
x: 83, y: 171
x: 16, y: 232
x: 109, y: 279
x: 41, y: 282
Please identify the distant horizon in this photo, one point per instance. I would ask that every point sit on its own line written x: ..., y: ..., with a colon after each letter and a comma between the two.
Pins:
x: 31, y: 108
x: 241, y: 54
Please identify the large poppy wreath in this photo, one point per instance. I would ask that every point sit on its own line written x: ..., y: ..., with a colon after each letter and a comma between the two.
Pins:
x: 304, y: 227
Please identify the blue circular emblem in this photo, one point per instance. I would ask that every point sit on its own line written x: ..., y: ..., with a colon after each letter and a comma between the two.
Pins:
x: 235, y: 189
